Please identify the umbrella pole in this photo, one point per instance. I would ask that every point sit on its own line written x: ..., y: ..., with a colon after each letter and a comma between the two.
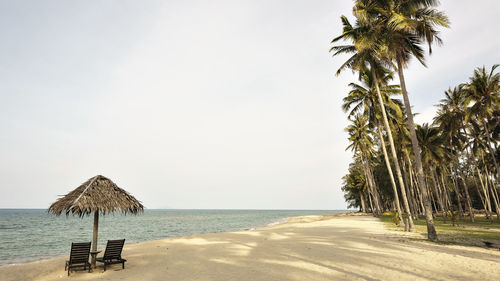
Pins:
x: 94, y: 236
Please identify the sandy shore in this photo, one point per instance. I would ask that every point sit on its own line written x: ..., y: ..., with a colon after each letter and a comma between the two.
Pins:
x: 305, y: 248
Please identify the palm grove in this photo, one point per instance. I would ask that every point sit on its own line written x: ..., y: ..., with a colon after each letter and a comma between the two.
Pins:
x: 446, y: 168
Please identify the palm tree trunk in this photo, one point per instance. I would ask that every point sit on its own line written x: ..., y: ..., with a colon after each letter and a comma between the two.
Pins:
x: 469, y: 203
x: 483, y: 199
x: 431, y: 230
x: 378, y: 200
x: 393, y: 152
x: 491, y: 149
x: 371, y: 202
x: 490, y: 185
x: 411, y: 201
x: 493, y: 188
x: 459, y: 197
x: 495, y: 200
x: 371, y: 196
x: 479, y: 191
x: 371, y: 184
x: 414, y: 182
x: 486, y: 195
x: 439, y: 194
x: 410, y: 190
x: 391, y: 176
x: 446, y: 193
x: 433, y: 199
x: 362, y: 199
x: 457, y: 189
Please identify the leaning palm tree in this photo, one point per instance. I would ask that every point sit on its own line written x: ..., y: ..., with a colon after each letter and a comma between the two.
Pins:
x: 433, y: 153
x: 355, y: 186
x: 483, y: 93
x: 363, y: 99
x: 451, y: 113
x: 478, y: 144
x: 401, y: 27
x: 363, y: 48
x: 361, y: 143
x: 450, y: 118
x: 403, y: 145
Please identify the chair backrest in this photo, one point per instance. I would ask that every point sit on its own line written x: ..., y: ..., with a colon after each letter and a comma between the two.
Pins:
x: 79, y: 252
x: 114, y: 249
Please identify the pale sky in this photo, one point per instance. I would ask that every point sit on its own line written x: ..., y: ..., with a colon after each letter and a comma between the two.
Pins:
x: 196, y: 104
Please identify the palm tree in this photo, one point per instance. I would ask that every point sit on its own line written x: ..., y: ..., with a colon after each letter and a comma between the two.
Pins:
x: 451, y: 114
x: 401, y: 27
x: 363, y: 48
x: 361, y: 143
x: 355, y: 186
x: 451, y: 120
x: 363, y: 98
x: 403, y: 143
x: 433, y: 153
x: 483, y: 91
x: 459, y: 148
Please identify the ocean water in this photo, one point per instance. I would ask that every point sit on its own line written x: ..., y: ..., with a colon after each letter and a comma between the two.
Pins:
x: 32, y: 234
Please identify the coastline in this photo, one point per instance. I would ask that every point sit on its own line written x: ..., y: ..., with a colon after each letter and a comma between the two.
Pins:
x: 23, y: 244
x: 340, y: 246
x: 279, y: 221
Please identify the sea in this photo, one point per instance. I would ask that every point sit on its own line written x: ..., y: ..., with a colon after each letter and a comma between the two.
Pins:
x: 28, y: 235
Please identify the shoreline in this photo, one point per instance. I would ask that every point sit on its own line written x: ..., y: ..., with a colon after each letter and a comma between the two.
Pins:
x: 342, y: 246
x: 269, y: 225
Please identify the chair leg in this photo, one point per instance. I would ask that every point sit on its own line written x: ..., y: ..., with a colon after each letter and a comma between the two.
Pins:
x: 104, y: 266
x: 69, y: 270
x: 123, y: 265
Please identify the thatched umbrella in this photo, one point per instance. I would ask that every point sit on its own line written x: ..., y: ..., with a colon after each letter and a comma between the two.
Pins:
x: 97, y: 195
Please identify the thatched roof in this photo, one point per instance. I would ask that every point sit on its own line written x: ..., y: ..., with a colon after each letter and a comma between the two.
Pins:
x: 96, y: 194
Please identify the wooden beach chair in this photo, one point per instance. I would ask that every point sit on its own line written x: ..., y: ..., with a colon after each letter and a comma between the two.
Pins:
x: 78, y: 257
x: 113, y: 253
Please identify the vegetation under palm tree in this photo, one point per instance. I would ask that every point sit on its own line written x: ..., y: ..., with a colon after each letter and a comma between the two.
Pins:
x: 448, y: 167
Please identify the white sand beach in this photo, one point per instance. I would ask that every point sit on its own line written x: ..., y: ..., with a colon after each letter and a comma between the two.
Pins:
x: 342, y: 247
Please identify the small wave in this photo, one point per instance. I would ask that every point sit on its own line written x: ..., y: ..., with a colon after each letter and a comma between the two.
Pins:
x: 280, y: 221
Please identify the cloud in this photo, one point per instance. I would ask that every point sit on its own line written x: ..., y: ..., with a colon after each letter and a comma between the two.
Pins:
x: 426, y: 116
x: 194, y: 104
x: 200, y: 108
